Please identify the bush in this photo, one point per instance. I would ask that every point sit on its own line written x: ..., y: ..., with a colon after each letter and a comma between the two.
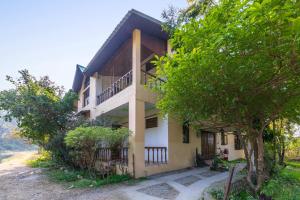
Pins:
x: 84, y: 141
x: 42, y: 161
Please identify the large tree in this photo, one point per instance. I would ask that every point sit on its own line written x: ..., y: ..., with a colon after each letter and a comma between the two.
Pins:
x: 238, y: 65
x: 40, y: 108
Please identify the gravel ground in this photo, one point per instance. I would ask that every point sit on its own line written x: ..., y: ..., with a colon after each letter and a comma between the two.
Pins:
x: 19, y: 182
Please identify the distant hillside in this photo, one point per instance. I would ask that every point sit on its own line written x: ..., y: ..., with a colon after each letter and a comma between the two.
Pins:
x: 8, y: 142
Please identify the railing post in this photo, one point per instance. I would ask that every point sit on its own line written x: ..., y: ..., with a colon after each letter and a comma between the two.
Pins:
x: 166, y: 155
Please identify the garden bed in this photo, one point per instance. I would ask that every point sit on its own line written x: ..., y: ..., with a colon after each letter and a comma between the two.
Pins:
x: 74, y: 178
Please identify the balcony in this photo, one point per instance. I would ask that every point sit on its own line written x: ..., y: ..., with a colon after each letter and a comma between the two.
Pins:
x: 115, y: 88
x: 156, y: 155
x: 150, y: 79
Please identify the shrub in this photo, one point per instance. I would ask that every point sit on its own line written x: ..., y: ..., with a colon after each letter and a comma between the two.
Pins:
x: 84, y: 142
x: 42, y: 161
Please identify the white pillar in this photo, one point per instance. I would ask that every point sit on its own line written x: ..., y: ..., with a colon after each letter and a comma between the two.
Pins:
x: 93, y: 95
x: 136, y: 112
x: 136, y: 58
x: 137, y: 138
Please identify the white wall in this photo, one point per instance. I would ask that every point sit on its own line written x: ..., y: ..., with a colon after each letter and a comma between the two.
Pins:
x: 157, y: 137
x: 233, y: 154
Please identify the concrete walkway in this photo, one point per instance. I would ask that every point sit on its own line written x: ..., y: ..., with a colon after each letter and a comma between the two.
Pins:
x: 19, y: 182
x: 187, y: 185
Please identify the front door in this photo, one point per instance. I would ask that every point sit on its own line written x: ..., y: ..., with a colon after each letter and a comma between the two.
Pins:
x: 208, y: 145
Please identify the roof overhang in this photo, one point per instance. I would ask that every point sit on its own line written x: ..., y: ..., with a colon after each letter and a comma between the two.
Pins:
x: 132, y: 20
x: 78, y: 78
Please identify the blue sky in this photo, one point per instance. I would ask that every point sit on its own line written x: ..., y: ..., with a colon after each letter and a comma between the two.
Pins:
x: 51, y: 37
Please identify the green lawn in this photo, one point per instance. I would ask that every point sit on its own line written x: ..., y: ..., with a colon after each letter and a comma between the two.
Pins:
x: 285, y: 186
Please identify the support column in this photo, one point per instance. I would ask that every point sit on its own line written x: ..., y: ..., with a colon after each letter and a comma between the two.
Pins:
x: 136, y: 113
x: 137, y: 137
x: 93, y: 94
x: 136, y: 58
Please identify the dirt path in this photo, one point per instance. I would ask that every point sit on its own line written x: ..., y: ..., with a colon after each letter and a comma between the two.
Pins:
x: 19, y: 182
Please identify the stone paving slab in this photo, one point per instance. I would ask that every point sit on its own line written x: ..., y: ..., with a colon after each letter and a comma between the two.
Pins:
x: 163, y: 190
x: 209, y: 173
x: 187, y: 180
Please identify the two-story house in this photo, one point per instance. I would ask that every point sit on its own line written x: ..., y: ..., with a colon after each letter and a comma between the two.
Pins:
x: 113, y: 86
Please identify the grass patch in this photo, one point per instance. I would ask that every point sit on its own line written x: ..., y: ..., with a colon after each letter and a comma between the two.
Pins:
x: 236, y: 195
x: 42, y: 161
x: 113, y: 179
x: 295, y: 164
x: 74, y: 178
x: 286, y: 185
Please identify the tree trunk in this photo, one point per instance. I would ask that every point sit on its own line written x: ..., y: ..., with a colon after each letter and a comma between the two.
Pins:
x: 260, y: 161
x: 274, y: 141
x: 250, y: 165
x: 281, y: 154
x: 245, y: 147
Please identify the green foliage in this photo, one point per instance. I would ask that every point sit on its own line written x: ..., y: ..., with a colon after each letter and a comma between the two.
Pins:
x: 38, y: 105
x: 238, y: 62
x: 216, y: 163
x: 84, y: 141
x: 44, y: 160
x: 113, y: 179
x: 74, y: 178
x: 236, y: 195
x: 81, y: 179
x: 286, y: 185
x: 295, y: 164
x: 83, y: 137
x: 175, y: 18
x: 293, y: 148
x: 238, y: 66
x: 282, y: 186
x: 217, y: 194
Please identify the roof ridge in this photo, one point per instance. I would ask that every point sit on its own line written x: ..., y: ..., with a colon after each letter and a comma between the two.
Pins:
x: 123, y: 20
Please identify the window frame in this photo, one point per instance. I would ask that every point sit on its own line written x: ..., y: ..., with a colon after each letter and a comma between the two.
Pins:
x: 238, y: 144
x: 155, y: 122
x: 224, y: 138
x: 186, y: 132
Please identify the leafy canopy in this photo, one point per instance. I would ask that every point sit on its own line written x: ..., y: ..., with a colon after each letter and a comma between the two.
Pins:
x: 94, y: 136
x: 237, y: 64
x: 38, y: 105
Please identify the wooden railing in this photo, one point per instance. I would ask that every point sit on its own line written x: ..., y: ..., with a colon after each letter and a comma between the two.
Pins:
x: 106, y: 155
x: 146, y: 77
x: 156, y: 155
x: 115, y: 88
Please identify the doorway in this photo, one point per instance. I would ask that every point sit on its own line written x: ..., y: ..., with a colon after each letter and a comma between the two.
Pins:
x: 208, y: 145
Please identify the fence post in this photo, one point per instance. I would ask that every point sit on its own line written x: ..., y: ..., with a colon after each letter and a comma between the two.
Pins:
x: 228, y: 183
x: 133, y: 166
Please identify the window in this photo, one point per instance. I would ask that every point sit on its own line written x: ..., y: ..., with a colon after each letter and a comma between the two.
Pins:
x: 186, y: 132
x: 224, y: 139
x: 237, y: 142
x: 151, y: 122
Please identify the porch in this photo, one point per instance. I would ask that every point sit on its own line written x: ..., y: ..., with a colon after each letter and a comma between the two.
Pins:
x: 155, y: 144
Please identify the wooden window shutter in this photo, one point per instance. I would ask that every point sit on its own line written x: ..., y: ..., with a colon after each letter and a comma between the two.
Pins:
x: 151, y: 122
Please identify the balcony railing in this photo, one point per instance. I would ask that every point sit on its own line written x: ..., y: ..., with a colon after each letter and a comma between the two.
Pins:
x: 106, y: 155
x: 150, y: 79
x: 155, y: 155
x: 115, y: 88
